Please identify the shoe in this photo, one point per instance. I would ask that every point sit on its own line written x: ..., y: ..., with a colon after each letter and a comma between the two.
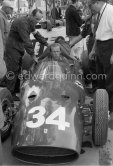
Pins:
x: 15, y: 98
x: 110, y: 123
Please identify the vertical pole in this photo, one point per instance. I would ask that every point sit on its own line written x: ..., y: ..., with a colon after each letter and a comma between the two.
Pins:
x: 46, y: 9
x: 18, y: 6
x: 54, y: 7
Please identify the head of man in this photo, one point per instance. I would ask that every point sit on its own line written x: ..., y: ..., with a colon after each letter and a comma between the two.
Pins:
x: 56, y: 51
x: 74, y: 1
x: 37, y: 14
x: 7, y: 7
x: 96, y: 5
x: 58, y: 3
x: 1, y: 1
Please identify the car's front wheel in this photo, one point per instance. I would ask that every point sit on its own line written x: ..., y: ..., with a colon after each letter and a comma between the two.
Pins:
x: 100, y: 117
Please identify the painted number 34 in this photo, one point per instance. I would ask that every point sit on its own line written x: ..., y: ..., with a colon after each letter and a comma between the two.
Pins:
x: 60, y: 113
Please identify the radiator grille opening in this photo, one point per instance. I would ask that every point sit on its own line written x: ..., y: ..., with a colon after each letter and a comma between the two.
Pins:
x: 44, y: 154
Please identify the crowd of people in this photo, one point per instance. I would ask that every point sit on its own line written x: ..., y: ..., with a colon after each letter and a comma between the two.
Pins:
x: 99, y: 43
x: 97, y: 25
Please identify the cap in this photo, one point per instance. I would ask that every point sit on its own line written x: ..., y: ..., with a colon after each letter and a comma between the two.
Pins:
x: 7, y: 3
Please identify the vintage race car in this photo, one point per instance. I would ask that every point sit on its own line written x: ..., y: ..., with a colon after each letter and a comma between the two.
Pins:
x: 52, y: 117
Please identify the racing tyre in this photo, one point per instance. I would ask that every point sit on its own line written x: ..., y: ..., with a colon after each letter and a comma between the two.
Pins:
x: 6, y: 102
x: 100, y: 118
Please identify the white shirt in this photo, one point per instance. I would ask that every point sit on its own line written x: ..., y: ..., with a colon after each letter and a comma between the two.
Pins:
x: 105, y: 27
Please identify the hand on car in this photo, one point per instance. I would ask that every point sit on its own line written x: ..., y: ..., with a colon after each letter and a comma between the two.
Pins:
x: 85, y: 29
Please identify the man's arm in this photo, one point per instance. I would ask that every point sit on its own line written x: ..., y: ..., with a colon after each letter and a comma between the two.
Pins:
x: 77, y: 17
x: 46, y: 53
x: 40, y: 38
x: 60, y: 14
x: 82, y: 35
x: 92, y: 53
x: 2, y: 29
x: 25, y: 36
x: 110, y: 22
x: 94, y: 45
x: 75, y: 40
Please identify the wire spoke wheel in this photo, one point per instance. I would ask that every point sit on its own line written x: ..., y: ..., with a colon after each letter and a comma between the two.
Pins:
x: 7, y: 104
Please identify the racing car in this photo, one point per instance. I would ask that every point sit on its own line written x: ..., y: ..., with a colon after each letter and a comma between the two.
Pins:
x: 52, y: 117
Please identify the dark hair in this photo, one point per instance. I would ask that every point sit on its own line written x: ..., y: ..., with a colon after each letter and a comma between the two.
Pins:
x: 73, y: 1
x: 34, y: 12
x: 93, y: 1
x: 59, y: 38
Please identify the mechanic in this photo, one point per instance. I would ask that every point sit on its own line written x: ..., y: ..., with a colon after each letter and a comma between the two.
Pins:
x: 73, y: 21
x: 18, y: 42
x: 103, y: 47
x: 73, y: 25
x: 7, y: 9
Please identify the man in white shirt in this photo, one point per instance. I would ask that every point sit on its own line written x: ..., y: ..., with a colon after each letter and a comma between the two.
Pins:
x: 103, y: 47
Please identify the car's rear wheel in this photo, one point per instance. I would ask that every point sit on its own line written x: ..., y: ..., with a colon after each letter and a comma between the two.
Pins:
x: 6, y: 102
x: 100, y: 118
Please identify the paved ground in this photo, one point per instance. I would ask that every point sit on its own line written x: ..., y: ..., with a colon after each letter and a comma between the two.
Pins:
x: 91, y: 156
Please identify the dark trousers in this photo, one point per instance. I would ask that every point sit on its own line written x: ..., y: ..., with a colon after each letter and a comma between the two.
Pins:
x: 11, y: 80
x: 104, y: 50
x: 92, y: 63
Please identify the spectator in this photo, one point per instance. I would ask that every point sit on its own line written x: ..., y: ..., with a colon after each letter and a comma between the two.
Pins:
x: 79, y: 7
x: 18, y: 40
x: 7, y: 8
x: 103, y: 47
x: 56, y: 14
x: 73, y: 20
x: 73, y: 25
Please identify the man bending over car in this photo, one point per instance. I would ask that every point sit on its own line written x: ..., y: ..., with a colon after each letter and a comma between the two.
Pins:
x: 17, y: 43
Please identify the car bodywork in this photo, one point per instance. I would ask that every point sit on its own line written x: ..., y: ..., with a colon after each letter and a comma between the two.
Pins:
x: 49, y: 122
